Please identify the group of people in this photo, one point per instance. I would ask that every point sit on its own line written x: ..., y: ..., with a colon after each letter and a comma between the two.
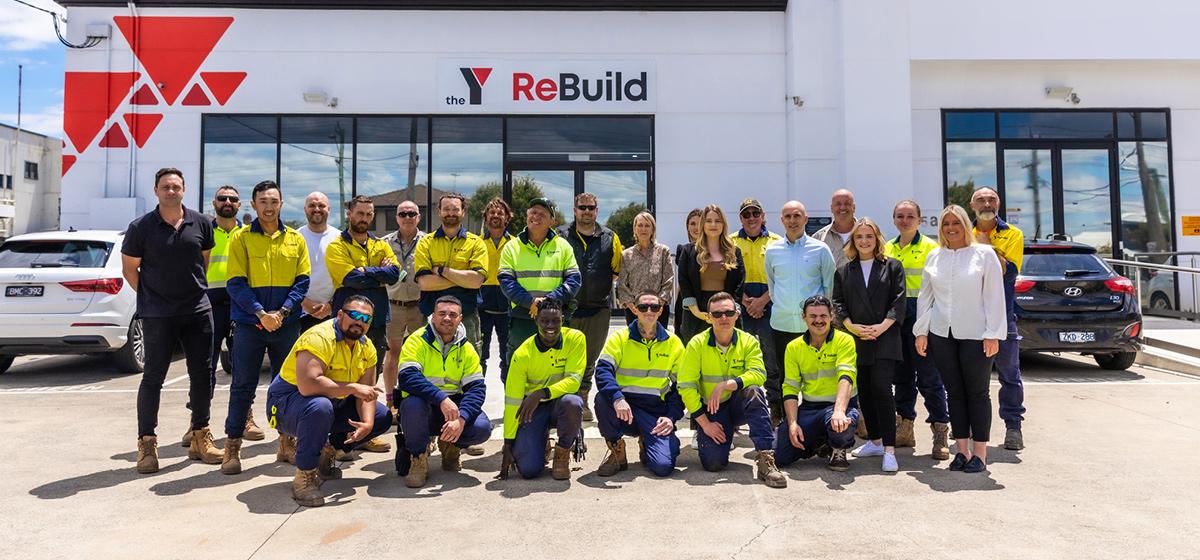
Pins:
x: 804, y: 339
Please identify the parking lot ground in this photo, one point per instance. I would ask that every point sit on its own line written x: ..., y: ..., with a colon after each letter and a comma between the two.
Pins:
x: 1110, y: 471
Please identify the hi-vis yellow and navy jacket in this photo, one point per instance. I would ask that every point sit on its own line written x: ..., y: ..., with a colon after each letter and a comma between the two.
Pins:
x: 1009, y: 242
x: 812, y: 374
x: 464, y: 251
x: 533, y: 367
x: 345, y: 362
x: 266, y: 272
x: 705, y: 366
x: 433, y: 370
x: 529, y: 271
x: 643, y: 372
x: 754, y: 250
x: 344, y: 257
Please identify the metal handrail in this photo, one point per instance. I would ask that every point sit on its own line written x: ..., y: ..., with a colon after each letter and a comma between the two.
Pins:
x: 1152, y: 266
x: 1176, y: 304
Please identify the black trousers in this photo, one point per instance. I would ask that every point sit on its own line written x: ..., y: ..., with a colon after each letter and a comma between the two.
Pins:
x: 775, y: 378
x: 967, y: 375
x: 161, y: 335
x: 876, y: 400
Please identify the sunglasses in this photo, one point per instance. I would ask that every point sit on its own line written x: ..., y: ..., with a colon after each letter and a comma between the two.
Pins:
x: 644, y: 307
x: 719, y: 314
x: 586, y: 207
x: 751, y: 214
x: 359, y: 316
x: 408, y: 214
x: 227, y: 198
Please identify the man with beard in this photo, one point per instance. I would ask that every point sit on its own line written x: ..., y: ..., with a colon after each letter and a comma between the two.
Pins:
x: 753, y: 239
x: 268, y: 278
x: 1009, y: 243
x: 361, y: 264
x: 403, y: 296
x: 308, y: 399
x: 493, y: 306
x: 452, y: 262
x: 540, y: 392
x: 318, y: 234
x: 443, y: 393
x: 837, y: 233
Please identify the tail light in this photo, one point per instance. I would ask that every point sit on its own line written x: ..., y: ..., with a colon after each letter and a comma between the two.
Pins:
x: 1120, y: 285
x: 105, y: 285
x: 1022, y: 286
x: 1133, y: 330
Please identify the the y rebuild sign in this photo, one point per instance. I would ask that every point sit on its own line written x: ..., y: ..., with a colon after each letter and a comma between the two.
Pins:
x: 542, y: 86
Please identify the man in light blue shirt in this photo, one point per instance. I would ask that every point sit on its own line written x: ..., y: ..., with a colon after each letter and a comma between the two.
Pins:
x: 798, y: 267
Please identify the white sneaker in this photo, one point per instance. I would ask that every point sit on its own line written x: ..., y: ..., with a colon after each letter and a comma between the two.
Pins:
x: 889, y: 463
x: 869, y: 449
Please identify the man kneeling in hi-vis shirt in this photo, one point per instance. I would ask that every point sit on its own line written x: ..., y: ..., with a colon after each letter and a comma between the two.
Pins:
x: 308, y: 399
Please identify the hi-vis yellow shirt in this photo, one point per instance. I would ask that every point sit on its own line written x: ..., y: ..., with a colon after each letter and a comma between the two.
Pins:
x: 753, y: 254
x: 812, y: 374
x: 705, y: 366
x: 1009, y: 241
x: 494, y: 247
x: 534, y: 367
x: 912, y: 257
x: 218, y: 257
x: 344, y: 363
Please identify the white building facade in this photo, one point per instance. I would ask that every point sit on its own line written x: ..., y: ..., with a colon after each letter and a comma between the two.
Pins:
x: 1085, y: 118
x: 30, y: 181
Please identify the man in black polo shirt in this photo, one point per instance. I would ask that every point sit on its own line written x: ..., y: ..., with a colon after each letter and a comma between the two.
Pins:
x: 164, y: 258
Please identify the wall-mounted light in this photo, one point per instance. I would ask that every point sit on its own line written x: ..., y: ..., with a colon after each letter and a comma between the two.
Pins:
x: 315, y: 97
x: 797, y: 101
x: 1064, y: 93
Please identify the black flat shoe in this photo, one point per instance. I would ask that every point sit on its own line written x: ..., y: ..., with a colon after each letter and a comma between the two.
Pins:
x: 975, y: 465
x: 959, y: 462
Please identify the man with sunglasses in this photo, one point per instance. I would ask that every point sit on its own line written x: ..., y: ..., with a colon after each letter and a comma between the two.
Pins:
x: 720, y: 383
x: 441, y: 394
x: 753, y: 240
x: 598, y: 253
x: 636, y: 393
x: 325, y: 396
x: 361, y: 264
x: 404, y: 296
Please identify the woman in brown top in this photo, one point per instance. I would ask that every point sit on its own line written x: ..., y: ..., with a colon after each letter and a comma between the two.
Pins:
x: 712, y: 264
x: 645, y: 267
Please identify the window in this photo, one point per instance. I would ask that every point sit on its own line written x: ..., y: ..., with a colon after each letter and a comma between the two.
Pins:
x: 239, y: 151
x: 577, y: 139
x: 31, y: 170
x: 316, y: 154
x: 392, y: 166
x: 467, y: 158
x: 54, y: 253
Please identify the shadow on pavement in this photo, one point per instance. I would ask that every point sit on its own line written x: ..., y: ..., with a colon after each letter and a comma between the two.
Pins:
x: 1057, y: 369
x: 68, y: 487
x: 62, y: 370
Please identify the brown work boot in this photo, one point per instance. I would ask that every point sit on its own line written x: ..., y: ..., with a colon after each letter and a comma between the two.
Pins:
x: 904, y: 433
x: 203, y: 448
x: 377, y: 445
x: 615, y: 461
x: 451, y: 458
x: 561, y: 469
x: 147, y: 454
x: 768, y: 472
x: 327, y: 467
x: 418, y: 471
x: 252, y: 432
x: 473, y: 450
x: 306, y: 488
x: 187, y: 439
x: 231, y: 463
x: 287, y: 449
x: 941, y: 443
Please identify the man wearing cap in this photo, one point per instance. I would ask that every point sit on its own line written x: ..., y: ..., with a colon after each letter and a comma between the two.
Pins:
x: 837, y: 233
x: 598, y: 254
x: 753, y: 240
x: 536, y: 266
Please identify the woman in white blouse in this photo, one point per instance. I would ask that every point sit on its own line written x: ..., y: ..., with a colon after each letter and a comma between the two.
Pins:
x: 960, y: 321
x: 646, y: 267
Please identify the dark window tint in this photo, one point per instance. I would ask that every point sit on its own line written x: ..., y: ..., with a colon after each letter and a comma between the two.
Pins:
x: 1057, y: 264
x: 54, y: 254
x: 967, y: 126
x: 392, y: 130
x: 579, y: 139
x: 236, y: 129
x: 1145, y: 125
x: 467, y: 130
x: 31, y: 170
x: 1062, y: 124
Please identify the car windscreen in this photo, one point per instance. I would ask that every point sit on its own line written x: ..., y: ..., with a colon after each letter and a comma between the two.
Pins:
x: 1062, y: 264
x: 54, y: 253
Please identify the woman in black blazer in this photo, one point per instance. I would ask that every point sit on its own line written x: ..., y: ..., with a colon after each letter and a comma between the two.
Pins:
x: 712, y: 264
x: 693, y: 233
x: 869, y: 295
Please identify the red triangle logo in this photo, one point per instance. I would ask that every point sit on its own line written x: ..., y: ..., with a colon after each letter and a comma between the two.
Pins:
x: 89, y: 99
x: 481, y: 74
x: 144, y: 96
x: 222, y: 84
x: 196, y: 97
x: 142, y: 125
x: 68, y: 161
x: 114, y: 138
x: 172, y: 48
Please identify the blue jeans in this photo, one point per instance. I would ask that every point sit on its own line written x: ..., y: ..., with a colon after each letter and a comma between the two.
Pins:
x: 1008, y: 361
x: 420, y: 420
x: 661, y: 451
x: 249, y: 344
x: 748, y: 406
x: 918, y: 373
x: 316, y: 420
x: 815, y: 422
x: 529, y: 450
x: 497, y: 322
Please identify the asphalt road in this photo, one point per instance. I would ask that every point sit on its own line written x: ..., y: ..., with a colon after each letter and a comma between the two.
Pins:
x: 1110, y: 472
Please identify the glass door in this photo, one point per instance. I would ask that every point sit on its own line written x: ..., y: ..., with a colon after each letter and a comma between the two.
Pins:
x: 558, y: 185
x: 1060, y: 188
x: 1028, y: 191
x: 1086, y: 197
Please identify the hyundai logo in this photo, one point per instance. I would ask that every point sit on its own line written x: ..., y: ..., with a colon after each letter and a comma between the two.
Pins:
x: 1073, y: 291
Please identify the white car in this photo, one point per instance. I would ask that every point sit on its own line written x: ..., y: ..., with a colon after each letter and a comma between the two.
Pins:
x: 64, y: 294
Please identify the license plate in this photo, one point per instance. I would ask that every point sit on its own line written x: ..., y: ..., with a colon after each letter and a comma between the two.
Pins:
x: 24, y: 291
x: 1077, y: 337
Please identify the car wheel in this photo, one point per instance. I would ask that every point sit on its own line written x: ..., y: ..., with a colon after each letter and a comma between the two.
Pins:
x: 132, y: 357
x: 1116, y: 361
x: 6, y: 362
x: 1160, y: 302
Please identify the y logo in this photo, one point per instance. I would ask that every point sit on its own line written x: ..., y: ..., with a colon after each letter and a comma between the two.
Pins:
x: 475, y: 78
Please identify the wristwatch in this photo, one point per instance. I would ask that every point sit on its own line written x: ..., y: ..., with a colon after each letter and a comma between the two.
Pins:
x: 284, y: 312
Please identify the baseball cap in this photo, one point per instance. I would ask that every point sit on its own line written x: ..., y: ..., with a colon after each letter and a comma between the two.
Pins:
x: 544, y: 203
x: 750, y: 203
